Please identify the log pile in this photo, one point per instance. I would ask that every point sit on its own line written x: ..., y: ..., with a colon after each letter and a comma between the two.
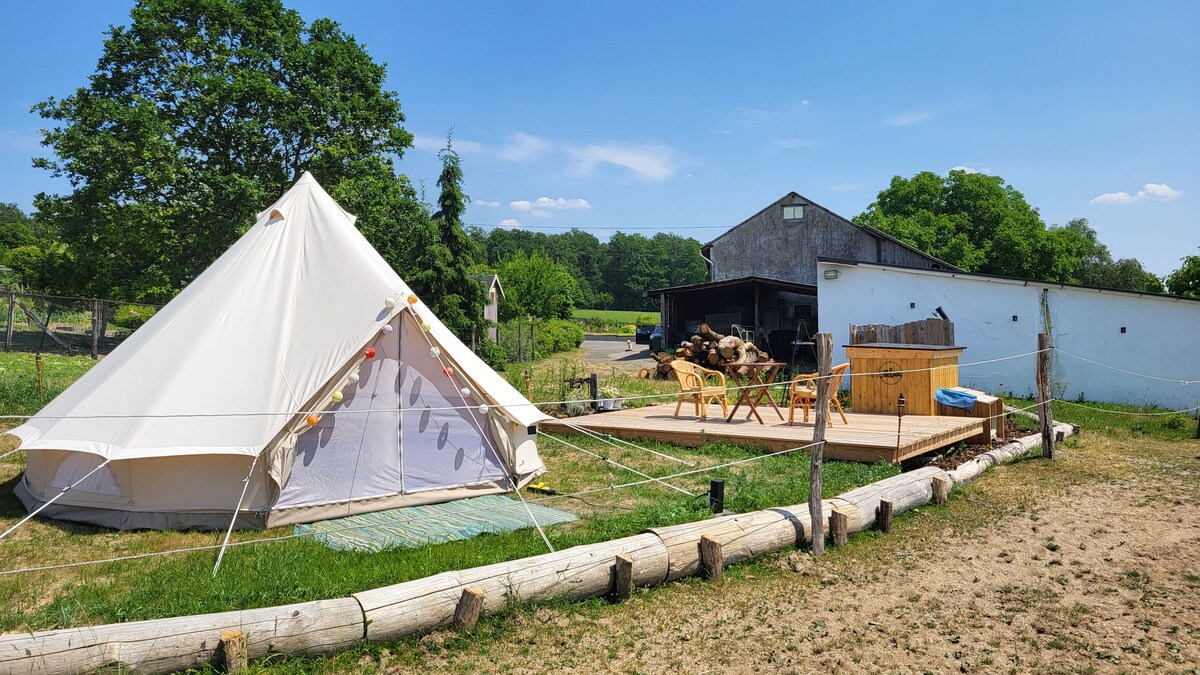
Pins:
x: 709, y: 349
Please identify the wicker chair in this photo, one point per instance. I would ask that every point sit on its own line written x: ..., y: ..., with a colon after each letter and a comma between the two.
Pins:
x: 701, y: 386
x: 803, y: 393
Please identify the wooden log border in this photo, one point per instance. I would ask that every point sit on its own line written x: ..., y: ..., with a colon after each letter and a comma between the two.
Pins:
x: 658, y: 555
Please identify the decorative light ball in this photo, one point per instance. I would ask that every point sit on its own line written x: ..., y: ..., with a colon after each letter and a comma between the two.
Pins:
x: 412, y: 298
x: 389, y: 302
x: 388, y: 328
x: 353, y: 378
x: 337, y: 397
x: 447, y: 371
x: 483, y: 409
x: 465, y: 392
x: 435, y: 352
x: 313, y: 420
x: 425, y: 326
x: 370, y: 353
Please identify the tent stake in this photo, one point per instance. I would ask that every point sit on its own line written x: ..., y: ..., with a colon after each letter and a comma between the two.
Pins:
x: 233, y: 520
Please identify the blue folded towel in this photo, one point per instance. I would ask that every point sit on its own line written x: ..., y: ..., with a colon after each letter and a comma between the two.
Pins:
x: 956, y: 399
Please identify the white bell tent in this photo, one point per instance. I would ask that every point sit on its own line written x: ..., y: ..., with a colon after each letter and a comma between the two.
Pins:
x: 297, y: 379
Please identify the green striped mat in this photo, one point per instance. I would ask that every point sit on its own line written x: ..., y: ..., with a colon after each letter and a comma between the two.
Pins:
x: 430, y: 524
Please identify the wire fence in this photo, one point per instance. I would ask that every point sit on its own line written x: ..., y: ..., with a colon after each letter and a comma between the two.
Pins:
x: 35, y: 322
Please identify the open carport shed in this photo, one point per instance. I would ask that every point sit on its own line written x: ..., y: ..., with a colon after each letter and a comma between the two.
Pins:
x: 775, y: 310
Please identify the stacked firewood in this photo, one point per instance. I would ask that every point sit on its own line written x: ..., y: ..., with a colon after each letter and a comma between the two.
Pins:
x: 709, y: 349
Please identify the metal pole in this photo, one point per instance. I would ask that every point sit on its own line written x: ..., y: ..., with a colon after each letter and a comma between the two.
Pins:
x: 716, y: 494
x: 594, y: 389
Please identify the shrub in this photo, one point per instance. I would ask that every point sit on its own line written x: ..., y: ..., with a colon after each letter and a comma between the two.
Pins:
x: 492, y: 354
x: 132, y: 316
x: 552, y: 335
x: 1176, y: 421
x: 557, y: 335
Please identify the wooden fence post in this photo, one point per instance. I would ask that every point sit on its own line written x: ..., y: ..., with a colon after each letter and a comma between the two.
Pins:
x: 235, y: 650
x: 623, y: 577
x: 8, y: 330
x: 1044, y: 392
x: 712, y: 558
x: 941, y: 490
x: 839, y: 523
x: 824, y: 345
x: 470, y: 604
x: 883, y: 516
x: 97, y: 327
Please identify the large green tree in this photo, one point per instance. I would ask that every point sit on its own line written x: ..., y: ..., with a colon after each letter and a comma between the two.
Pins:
x: 970, y: 220
x: 1076, y: 255
x: 199, y: 114
x: 535, y: 285
x: 982, y: 224
x: 444, y: 254
x: 1186, y: 280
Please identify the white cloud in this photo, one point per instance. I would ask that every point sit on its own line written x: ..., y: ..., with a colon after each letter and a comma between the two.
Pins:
x: 970, y: 169
x: 520, y: 147
x: 523, y: 147
x: 651, y: 162
x: 484, y: 202
x: 542, y: 206
x: 512, y: 223
x: 844, y: 187
x: 909, y: 119
x: 1158, y: 191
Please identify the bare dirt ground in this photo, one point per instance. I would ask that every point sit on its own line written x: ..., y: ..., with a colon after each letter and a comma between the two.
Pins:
x: 1090, y: 563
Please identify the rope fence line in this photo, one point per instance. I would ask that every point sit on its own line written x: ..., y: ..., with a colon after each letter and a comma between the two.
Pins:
x: 263, y: 540
x: 322, y: 411
x: 1128, y: 372
x: 1128, y: 412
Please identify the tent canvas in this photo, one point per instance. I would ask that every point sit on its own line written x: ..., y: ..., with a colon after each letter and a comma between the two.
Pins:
x: 215, y: 391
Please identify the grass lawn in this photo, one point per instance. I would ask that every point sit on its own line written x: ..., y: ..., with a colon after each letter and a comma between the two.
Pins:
x: 19, y: 381
x: 613, y: 321
x: 258, y: 575
x: 1084, y: 564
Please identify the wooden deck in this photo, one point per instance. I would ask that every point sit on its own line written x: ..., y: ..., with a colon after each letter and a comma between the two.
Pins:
x: 868, y: 438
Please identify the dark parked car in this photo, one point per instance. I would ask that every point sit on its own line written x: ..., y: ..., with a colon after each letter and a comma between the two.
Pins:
x: 641, y: 336
x: 656, y: 344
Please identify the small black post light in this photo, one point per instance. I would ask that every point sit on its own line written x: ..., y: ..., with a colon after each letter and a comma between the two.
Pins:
x: 716, y: 495
x: 900, y: 402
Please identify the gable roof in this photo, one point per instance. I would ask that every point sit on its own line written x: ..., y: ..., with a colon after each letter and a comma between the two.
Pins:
x: 489, y: 280
x: 874, y: 232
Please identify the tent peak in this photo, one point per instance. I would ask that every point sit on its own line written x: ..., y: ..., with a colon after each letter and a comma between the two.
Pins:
x: 306, y: 178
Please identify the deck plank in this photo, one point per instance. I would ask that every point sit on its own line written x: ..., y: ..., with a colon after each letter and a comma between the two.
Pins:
x: 867, y: 437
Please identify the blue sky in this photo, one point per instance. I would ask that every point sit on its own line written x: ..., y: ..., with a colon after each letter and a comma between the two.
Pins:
x: 690, y: 117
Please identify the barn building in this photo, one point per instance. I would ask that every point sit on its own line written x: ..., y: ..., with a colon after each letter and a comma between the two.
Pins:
x: 763, y: 274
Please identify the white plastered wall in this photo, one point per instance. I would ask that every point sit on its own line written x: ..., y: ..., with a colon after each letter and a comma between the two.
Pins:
x: 1161, y: 338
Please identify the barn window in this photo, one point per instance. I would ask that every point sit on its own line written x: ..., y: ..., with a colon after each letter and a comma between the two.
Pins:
x: 793, y: 212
